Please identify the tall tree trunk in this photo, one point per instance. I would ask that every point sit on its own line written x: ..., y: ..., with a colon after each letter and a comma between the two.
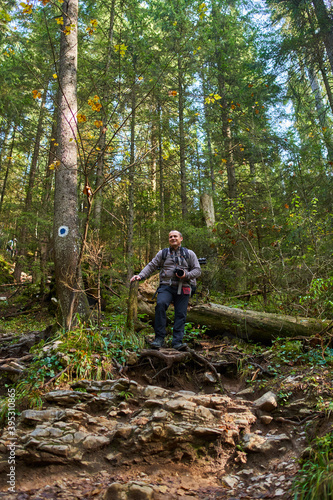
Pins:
x: 66, y: 224
x: 181, y: 105
x: 326, y: 28
x: 160, y: 163
x: 3, y: 145
x: 153, y: 180
x: 321, y: 112
x: 9, y: 164
x: 102, y: 139
x: 130, y: 220
x: 22, y: 253
x: 45, y: 239
x: 207, y: 128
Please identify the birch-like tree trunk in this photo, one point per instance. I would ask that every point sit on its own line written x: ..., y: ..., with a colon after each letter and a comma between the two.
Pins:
x: 66, y: 224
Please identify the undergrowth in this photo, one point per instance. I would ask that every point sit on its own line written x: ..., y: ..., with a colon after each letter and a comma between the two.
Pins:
x: 314, y: 481
x: 84, y: 352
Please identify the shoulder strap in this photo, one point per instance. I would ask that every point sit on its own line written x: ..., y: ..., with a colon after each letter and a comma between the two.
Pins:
x: 164, y: 254
x: 183, y: 252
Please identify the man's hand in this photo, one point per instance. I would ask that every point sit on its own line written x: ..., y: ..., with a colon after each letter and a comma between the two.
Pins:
x: 136, y: 277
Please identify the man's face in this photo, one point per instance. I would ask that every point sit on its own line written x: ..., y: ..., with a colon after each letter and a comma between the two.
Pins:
x: 175, y: 239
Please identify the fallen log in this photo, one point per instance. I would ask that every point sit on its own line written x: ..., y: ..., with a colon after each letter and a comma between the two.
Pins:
x: 248, y: 325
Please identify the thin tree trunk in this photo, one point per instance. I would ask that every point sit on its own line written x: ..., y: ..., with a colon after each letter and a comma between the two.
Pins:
x: 22, y: 253
x: 130, y: 223
x: 181, y: 105
x: 326, y: 28
x: 321, y: 112
x: 160, y: 162
x: 98, y: 199
x: 9, y: 164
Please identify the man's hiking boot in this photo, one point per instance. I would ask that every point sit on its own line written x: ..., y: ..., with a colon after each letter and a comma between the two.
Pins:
x: 180, y: 347
x: 157, y: 343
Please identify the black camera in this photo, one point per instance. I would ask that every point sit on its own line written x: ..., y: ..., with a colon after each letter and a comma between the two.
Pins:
x: 179, y: 272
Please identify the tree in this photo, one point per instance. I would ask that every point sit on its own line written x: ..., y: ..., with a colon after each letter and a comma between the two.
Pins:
x: 66, y: 225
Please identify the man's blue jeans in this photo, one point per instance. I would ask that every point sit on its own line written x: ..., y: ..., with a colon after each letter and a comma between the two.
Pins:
x: 166, y: 295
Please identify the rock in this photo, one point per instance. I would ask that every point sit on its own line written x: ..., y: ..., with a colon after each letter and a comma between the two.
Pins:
x: 267, y: 402
x: 229, y: 481
x: 209, y: 377
x: 94, y: 442
x: 256, y: 443
x: 129, y: 491
x: 266, y: 419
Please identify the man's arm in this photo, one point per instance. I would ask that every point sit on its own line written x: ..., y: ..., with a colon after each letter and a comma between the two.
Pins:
x: 194, y: 266
x: 153, y: 265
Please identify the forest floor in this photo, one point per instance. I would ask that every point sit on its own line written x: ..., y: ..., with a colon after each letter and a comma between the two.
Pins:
x: 260, y: 460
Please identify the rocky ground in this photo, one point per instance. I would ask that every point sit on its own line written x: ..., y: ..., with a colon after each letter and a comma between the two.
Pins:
x: 167, y: 431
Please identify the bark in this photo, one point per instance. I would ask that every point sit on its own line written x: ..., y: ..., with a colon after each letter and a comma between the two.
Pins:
x: 160, y: 163
x: 132, y: 308
x: 66, y: 224
x: 130, y: 220
x: 9, y: 164
x: 22, y: 254
x: 102, y: 139
x: 321, y: 112
x: 181, y: 105
x: 249, y: 325
x: 326, y: 28
x: 207, y: 206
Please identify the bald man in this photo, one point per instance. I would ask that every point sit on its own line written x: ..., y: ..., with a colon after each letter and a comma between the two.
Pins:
x: 179, y: 268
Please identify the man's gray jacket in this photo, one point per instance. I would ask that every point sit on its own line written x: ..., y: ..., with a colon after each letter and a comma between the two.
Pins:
x: 167, y: 276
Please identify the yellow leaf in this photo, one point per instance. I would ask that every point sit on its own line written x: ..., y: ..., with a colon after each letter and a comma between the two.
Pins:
x: 60, y: 20
x: 81, y: 118
x: 223, y: 160
x: 56, y: 144
x: 194, y: 52
x: 175, y: 23
x: 55, y: 76
x: 98, y: 149
x: 217, y: 97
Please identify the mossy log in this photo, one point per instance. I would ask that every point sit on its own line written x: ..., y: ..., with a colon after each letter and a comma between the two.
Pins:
x: 248, y: 325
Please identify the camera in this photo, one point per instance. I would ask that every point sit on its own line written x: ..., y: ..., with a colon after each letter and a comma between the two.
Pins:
x: 179, y: 272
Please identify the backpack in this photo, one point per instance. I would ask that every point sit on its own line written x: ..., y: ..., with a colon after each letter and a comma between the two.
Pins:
x: 183, y: 253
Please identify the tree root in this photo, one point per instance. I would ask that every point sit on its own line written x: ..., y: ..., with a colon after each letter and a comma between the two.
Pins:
x: 171, y: 357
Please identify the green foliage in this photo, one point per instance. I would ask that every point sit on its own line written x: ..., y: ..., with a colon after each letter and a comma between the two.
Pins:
x: 193, y: 333
x: 320, y: 294
x: 290, y: 352
x: 315, y: 479
x: 85, y: 352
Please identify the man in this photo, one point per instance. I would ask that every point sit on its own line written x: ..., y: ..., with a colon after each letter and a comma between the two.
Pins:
x: 179, y: 269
